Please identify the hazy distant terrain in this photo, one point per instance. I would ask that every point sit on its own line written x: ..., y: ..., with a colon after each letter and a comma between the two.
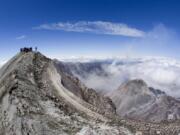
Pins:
x: 144, y: 89
x: 134, y: 99
x: 107, y: 75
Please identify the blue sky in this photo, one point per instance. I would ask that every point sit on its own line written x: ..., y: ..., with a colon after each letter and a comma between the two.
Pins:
x: 65, y: 28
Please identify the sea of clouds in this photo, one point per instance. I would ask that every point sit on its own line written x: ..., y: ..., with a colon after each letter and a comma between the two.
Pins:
x: 159, y: 73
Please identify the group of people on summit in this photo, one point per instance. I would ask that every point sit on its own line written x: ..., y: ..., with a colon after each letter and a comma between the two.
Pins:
x: 27, y: 49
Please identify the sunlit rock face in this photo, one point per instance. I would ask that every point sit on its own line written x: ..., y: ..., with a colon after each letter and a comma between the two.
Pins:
x: 134, y: 99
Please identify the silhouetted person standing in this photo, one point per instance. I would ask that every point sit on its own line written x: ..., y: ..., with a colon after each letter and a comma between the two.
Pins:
x: 36, y: 49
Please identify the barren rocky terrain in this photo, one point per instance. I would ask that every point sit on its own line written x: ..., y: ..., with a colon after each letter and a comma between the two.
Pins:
x: 134, y: 99
x: 38, y: 98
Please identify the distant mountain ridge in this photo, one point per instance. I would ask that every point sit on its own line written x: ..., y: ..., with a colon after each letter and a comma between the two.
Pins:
x: 136, y: 100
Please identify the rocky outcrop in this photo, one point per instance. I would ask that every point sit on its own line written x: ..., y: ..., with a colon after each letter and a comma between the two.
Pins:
x: 102, y: 104
x: 33, y: 100
x: 134, y: 99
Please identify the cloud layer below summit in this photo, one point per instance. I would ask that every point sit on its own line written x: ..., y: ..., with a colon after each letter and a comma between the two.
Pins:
x: 160, y: 73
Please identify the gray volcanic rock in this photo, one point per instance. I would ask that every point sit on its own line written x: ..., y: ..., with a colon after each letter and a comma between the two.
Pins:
x: 36, y: 98
x: 103, y: 105
x: 134, y: 99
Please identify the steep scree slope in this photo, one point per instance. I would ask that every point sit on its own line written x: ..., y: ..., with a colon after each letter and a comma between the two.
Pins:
x: 33, y: 100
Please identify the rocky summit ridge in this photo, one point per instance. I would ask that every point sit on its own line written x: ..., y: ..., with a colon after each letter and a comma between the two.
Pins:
x: 38, y: 98
x: 34, y: 99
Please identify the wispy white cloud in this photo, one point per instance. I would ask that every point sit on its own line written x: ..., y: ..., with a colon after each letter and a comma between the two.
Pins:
x: 21, y: 37
x: 98, y: 27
